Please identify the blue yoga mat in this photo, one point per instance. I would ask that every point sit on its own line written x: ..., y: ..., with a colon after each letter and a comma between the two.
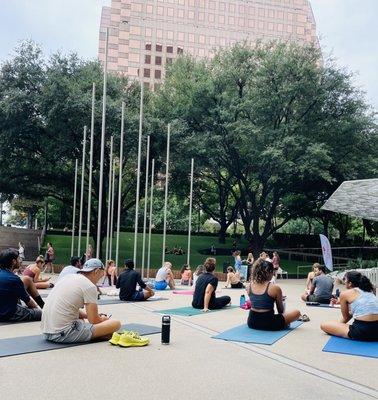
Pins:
x: 246, y: 335
x: 352, y: 347
x: 188, y: 311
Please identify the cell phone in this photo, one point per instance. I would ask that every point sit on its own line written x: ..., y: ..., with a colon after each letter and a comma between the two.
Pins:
x: 109, y: 316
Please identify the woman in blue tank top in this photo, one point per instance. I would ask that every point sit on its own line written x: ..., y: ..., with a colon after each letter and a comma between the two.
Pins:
x: 263, y: 296
x: 359, y: 302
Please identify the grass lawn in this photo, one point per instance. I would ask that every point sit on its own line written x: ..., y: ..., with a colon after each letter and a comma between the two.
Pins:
x: 62, y: 246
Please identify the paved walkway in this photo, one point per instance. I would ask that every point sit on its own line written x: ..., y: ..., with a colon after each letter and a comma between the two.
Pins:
x: 193, y: 366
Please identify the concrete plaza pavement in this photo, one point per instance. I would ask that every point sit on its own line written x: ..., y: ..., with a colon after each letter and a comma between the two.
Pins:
x: 193, y: 366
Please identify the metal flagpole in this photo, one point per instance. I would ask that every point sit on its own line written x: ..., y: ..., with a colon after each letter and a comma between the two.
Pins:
x: 74, y: 211
x: 101, y: 177
x: 90, y: 169
x: 120, y: 184
x: 109, y: 198
x: 112, y: 212
x: 190, y: 210
x: 82, y: 191
x: 138, y: 172
x: 166, y: 192
x: 150, y: 219
x: 145, y: 203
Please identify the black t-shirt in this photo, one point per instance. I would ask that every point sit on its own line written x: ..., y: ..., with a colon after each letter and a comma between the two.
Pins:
x: 200, y: 289
x: 127, y: 283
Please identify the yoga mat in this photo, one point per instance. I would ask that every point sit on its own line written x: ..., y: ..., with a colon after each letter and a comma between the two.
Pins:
x: 246, y: 335
x: 104, y: 302
x: 36, y: 343
x: 184, y: 292
x: 188, y: 311
x: 351, y: 347
x: 337, y: 306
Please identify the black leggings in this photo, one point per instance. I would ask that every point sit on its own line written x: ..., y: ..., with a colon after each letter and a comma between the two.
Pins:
x: 219, y: 302
x: 238, y: 285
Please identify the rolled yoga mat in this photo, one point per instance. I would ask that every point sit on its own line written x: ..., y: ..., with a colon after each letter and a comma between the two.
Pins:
x: 246, y: 335
x: 36, y: 343
x: 351, y: 347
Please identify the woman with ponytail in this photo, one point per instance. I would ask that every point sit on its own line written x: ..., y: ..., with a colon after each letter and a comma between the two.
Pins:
x: 359, y: 302
x: 263, y: 296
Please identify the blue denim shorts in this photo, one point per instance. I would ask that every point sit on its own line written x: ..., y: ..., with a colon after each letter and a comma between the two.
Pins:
x: 138, y: 296
x: 78, y: 332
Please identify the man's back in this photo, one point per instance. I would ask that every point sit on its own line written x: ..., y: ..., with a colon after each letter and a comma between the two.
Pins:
x: 323, y: 287
x: 69, y: 270
x: 127, y: 282
x: 11, y: 290
x: 200, y: 288
x: 63, y: 303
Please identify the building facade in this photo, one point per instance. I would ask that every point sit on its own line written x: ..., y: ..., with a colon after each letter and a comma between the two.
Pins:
x: 146, y: 35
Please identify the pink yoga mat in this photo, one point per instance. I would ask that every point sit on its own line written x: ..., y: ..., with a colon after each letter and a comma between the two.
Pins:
x: 183, y: 292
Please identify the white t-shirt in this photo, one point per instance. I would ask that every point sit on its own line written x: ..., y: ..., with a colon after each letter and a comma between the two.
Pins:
x: 162, y: 274
x: 69, y: 270
x: 62, y: 306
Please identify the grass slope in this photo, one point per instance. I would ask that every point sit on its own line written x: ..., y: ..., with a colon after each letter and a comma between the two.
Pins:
x: 62, y: 246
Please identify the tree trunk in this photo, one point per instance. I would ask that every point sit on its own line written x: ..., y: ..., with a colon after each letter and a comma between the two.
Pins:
x: 257, y: 245
x: 222, y: 233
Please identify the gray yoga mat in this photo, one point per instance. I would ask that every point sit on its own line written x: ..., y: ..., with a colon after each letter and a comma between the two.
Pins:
x: 36, y: 343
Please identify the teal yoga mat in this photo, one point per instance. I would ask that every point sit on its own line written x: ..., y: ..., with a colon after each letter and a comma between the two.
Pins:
x: 189, y: 311
x: 351, y: 347
x: 37, y: 343
x: 246, y: 335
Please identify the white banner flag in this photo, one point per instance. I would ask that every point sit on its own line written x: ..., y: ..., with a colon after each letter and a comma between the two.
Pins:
x: 327, y: 252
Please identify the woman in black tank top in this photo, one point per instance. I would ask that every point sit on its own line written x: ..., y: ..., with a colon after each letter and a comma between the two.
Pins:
x: 263, y: 296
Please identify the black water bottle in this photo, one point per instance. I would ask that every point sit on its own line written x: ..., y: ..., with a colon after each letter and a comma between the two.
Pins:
x: 165, y: 329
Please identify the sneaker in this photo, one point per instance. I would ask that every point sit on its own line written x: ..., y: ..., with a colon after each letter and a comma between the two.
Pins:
x: 115, y: 339
x: 132, y: 339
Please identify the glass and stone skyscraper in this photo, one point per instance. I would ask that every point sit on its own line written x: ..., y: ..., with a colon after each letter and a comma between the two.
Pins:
x: 146, y: 35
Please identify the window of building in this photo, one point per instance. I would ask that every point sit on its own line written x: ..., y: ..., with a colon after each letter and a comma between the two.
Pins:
x: 148, y: 46
x: 169, y: 61
x: 170, y: 49
x: 180, y: 50
x: 181, y: 36
x: 221, y: 19
x: 157, y: 86
x: 191, y: 14
x: 157, y: 60
x: 147, y: 59
x: 170, y: 35
x: 147, y: 73
x: 157, y: 74
x: 201, y: 16
x: 211, y: 17
x: 222, y: 6
x: 170, y: 12
x: 159, y: 33
x: 146, y: 85
x: 159, y: 47
x: 148, y: 32
x: 149, y: 9
x: 160, y: 11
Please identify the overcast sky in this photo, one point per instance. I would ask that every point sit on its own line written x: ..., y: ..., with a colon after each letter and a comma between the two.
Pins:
x: 347, y: 28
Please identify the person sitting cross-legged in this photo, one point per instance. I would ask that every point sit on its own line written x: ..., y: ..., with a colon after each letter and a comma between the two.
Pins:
x: 13, y: 288
x: 71, y: 269
x: 62, y: 317
x: 360, y: 302
x: 127, y: 283
x: 164, y: 277
x: 233, y: 279
x: 204, y: 292
x: 321, y: 287
x: 263, y: 296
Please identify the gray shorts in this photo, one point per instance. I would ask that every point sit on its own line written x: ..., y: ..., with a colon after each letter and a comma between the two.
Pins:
x: 78, y: 332
x: 24, y: 313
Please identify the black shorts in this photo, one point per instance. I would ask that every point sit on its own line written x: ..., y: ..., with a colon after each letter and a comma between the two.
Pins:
x: 364, y: 330
x: 238, y: 285
x: 266, y: 321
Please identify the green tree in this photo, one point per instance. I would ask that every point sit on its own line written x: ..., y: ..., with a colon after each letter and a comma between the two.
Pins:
x: 44, y: 104
x: 278, y: 120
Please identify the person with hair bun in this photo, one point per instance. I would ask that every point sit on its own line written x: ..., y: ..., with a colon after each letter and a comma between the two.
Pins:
x: 204, y: 291
x: 263, y: 296
x: 359, y: 301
